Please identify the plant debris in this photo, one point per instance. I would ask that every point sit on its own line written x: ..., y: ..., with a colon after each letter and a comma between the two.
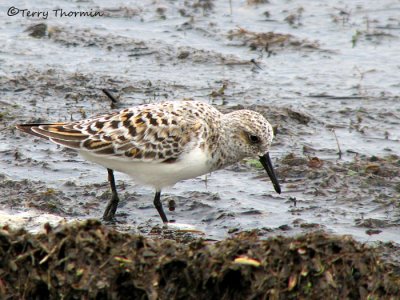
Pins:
x: 269, y: 40
x: 89, y: 260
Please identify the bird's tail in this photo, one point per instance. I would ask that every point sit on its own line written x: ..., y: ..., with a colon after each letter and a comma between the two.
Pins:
x: 29, y: 128
x: 60, y: 133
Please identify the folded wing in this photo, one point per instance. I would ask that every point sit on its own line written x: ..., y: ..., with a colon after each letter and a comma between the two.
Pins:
x: 132, y: 134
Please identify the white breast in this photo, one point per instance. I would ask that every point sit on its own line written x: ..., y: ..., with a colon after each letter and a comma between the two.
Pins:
x: 158, y: 175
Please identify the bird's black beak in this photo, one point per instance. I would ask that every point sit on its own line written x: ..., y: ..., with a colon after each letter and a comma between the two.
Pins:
x: 267, y: 164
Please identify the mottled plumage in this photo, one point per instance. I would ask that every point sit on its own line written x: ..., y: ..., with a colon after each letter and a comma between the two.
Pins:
x: 161, y: 144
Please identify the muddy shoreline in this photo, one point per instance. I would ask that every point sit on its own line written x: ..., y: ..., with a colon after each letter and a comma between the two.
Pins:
x: 90, y: 260
x: 264, y: 56
x: 324, y: 74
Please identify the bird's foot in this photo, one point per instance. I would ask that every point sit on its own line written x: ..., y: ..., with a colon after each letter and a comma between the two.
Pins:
x: 109, y: 213
x: 109, y: 219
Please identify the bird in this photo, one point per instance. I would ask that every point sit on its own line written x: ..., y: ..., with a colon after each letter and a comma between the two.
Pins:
x: 159, y: 144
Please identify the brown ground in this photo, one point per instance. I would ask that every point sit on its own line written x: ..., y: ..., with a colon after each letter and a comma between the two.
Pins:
x: 91, y: 261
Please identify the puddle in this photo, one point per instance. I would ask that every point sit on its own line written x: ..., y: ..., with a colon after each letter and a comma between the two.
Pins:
x: 345, y: 84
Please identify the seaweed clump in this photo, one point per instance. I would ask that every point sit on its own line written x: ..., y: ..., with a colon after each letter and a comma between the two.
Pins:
x: 269, y: 40
x: 89, y: 260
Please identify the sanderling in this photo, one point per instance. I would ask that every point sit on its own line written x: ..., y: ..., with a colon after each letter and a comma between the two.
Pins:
x: 161, y: 144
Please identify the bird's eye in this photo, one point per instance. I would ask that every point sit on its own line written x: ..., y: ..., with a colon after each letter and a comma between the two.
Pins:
x: 254, y: 139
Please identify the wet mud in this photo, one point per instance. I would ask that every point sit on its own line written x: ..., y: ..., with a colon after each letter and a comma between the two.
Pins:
x: 324, y: 74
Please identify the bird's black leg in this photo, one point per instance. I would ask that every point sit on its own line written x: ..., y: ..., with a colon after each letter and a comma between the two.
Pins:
x: 158, y: 205
x: 111, y: 207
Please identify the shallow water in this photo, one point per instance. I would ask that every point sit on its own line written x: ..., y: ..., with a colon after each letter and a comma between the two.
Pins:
x: 347, y: 81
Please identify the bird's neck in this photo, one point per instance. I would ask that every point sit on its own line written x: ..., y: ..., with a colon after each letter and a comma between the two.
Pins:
x: 227, y: 146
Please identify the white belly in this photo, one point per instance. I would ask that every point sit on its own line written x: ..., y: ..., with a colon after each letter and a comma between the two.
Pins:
x: 158, y: 175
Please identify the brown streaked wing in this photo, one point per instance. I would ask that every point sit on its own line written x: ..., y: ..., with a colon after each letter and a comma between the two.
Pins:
x: 59, y: 132
x: 69, y: 144
x: 28, y: 128
x: 127, y: 136
x: 95, y: 144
